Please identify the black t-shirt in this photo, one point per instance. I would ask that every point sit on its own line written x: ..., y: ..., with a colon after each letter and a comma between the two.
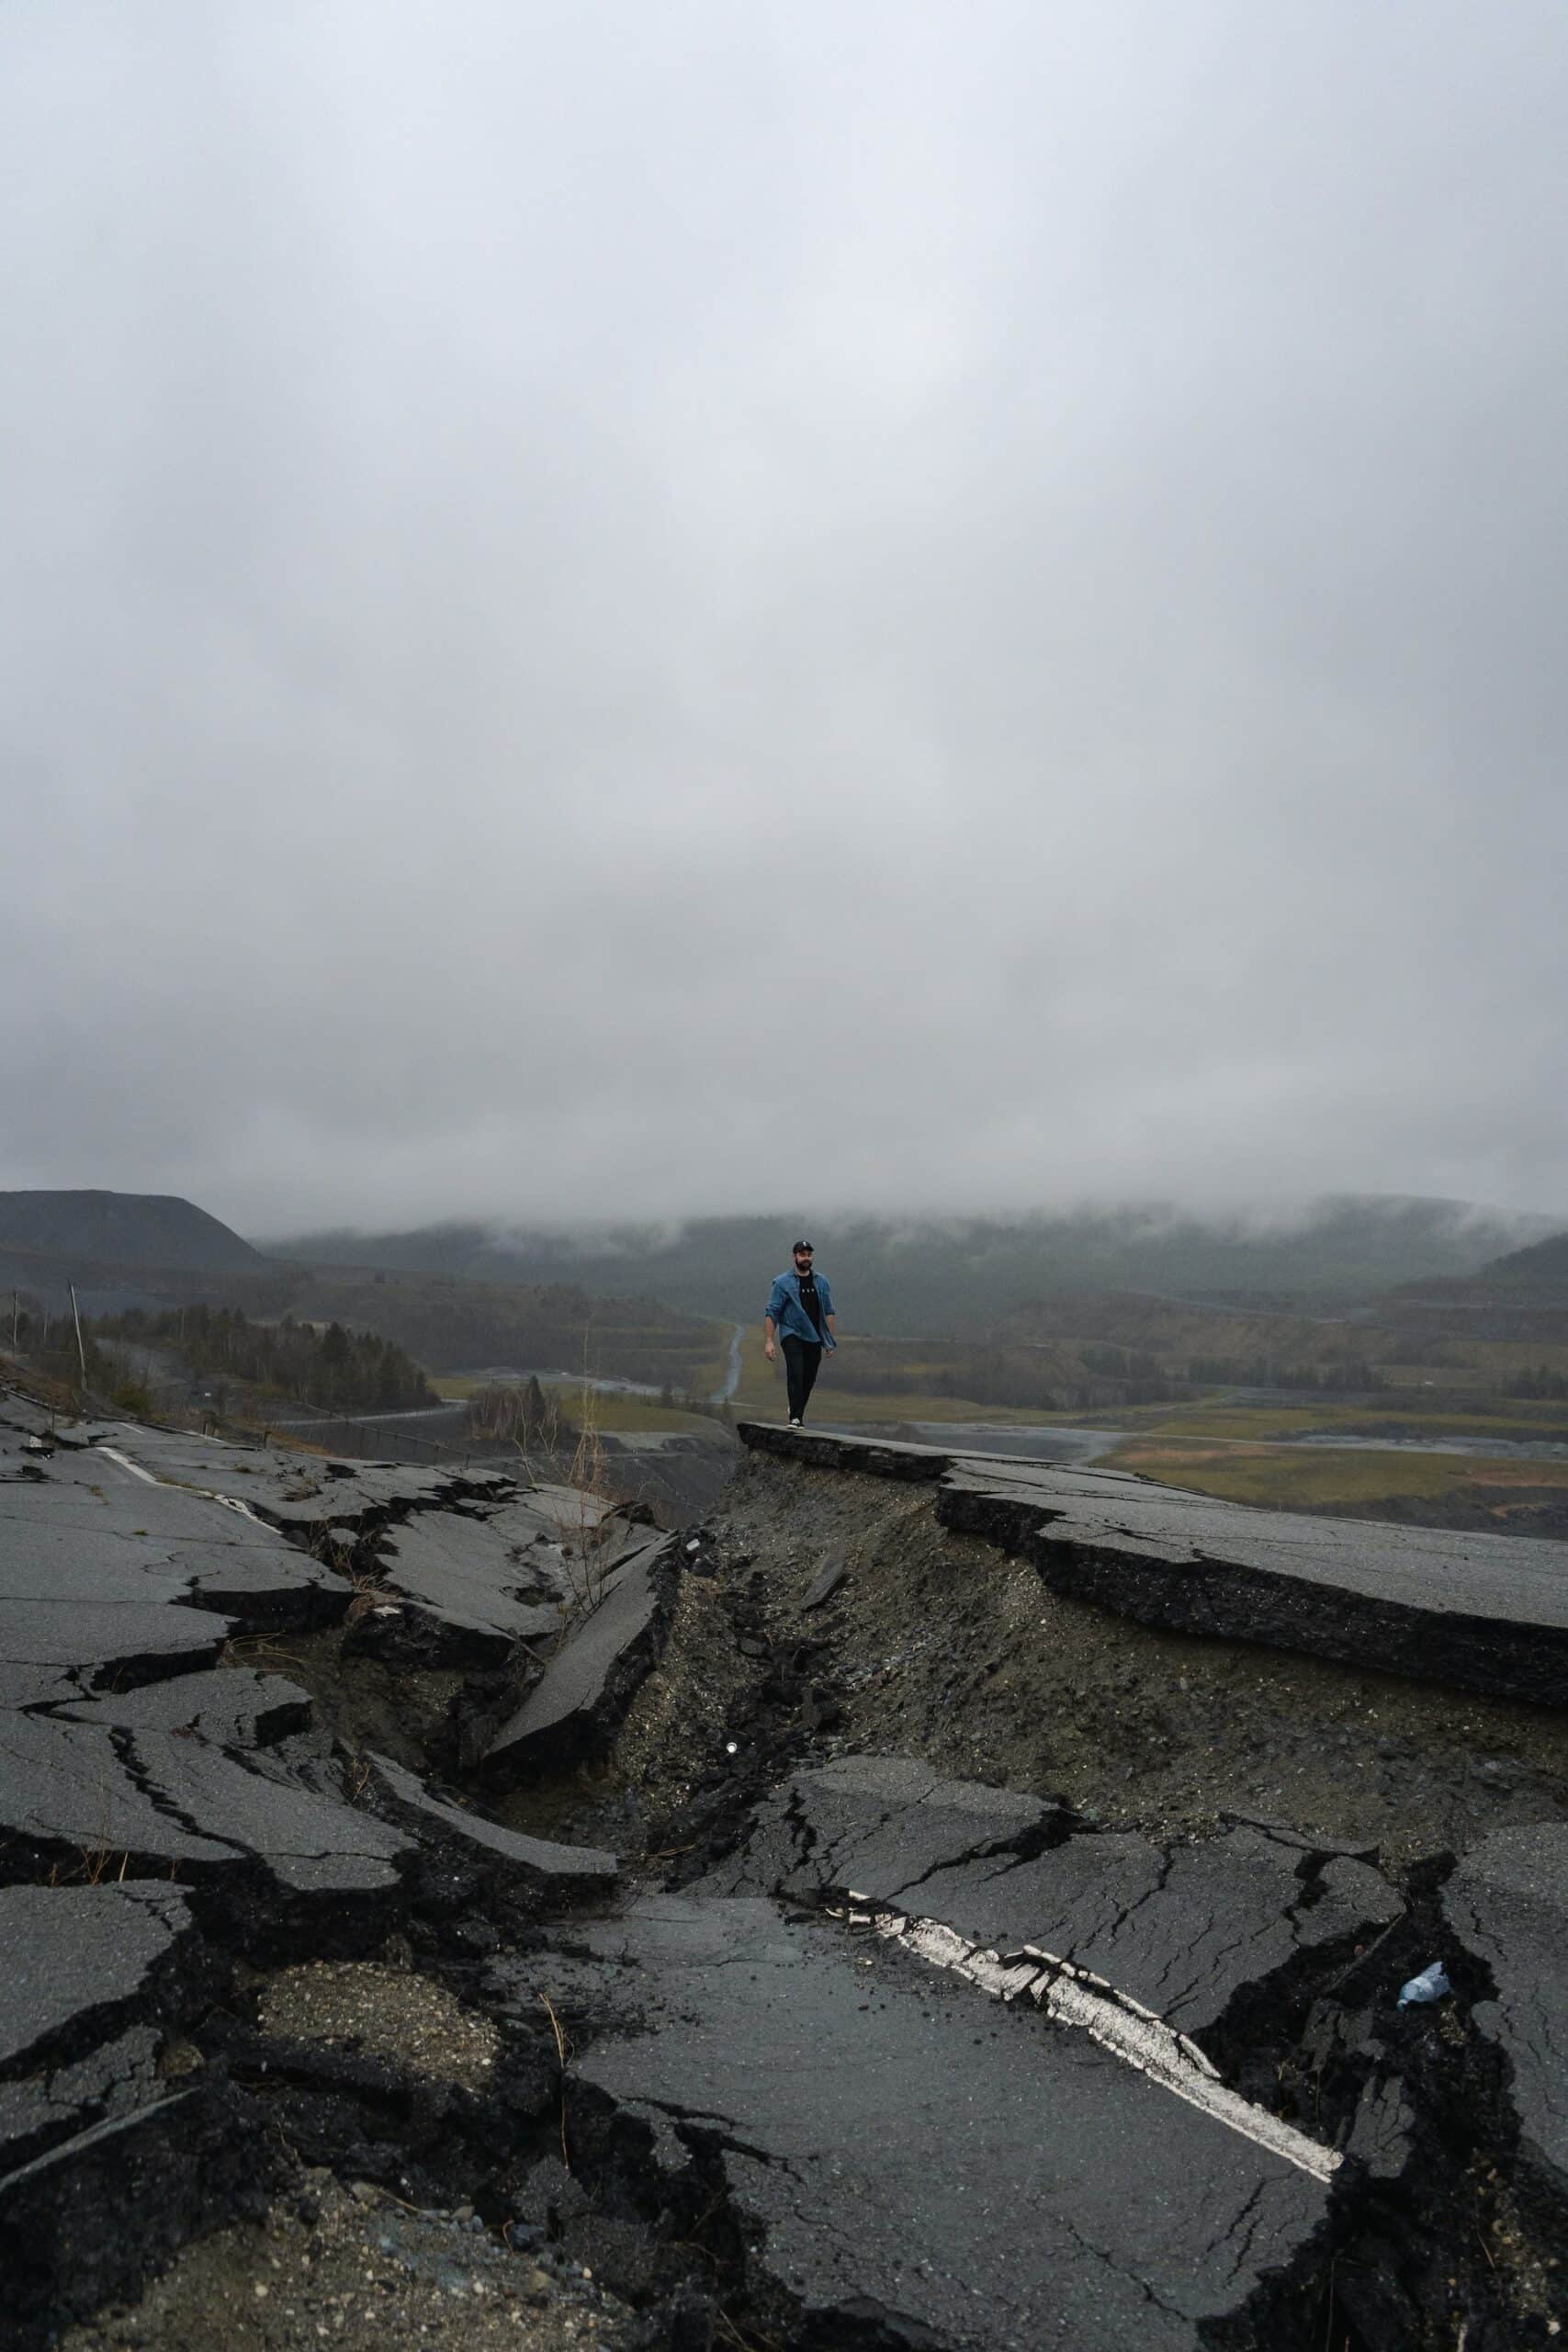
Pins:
x: 810, y: 1301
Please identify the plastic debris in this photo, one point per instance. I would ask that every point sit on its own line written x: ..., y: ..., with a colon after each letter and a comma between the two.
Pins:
x: 1432, y: 1985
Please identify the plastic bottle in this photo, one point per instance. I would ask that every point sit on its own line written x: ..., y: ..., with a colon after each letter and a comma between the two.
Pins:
x: 1432, y: 1985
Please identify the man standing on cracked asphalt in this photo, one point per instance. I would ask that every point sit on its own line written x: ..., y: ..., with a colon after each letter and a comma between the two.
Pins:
x: 800, y: 1309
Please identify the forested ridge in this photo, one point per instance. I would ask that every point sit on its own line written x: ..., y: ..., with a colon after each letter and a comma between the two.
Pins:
x: 339, y: 1369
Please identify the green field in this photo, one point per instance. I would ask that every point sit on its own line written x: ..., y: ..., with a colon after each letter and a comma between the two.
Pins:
x: 630, y: 1415
x: 1287, y: 1478
x: 612, y: 1411
x: 1325, y: 1478
x: 1512, y: 1419
x: 1228, y: 1450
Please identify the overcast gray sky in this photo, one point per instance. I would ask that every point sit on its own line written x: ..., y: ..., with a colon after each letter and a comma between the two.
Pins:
x: 693, y: 604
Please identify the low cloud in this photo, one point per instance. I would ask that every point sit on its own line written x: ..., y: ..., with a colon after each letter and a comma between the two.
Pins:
x: 615, y: 613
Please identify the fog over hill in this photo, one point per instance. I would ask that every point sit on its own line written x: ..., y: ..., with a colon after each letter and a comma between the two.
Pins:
x: 455, y: 1293
x: 911, y: 1276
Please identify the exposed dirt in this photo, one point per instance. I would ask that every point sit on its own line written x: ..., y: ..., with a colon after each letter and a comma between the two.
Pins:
x: 402, y: 1710
x: 938, y: 1646
x: 354, y: 2269
x: 674, y: 1740
x: 676, y: 1727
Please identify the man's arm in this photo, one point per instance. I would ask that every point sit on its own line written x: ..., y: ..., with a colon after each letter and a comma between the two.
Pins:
x: 770, y: 1314
x: 768, y: 1336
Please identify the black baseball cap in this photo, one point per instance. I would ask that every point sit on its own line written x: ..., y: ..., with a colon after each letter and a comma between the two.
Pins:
x: 802, y: 1245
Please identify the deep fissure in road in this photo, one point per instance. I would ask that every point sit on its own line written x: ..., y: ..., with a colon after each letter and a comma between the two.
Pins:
x: 353, y: 2005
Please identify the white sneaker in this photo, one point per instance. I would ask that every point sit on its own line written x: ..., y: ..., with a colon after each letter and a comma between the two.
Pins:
x: 794, y: 1424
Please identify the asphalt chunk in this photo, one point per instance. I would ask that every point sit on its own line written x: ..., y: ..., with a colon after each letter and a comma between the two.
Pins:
x: 576, y: 1708
x: 1507, y: 1903
x: 897, y: 2155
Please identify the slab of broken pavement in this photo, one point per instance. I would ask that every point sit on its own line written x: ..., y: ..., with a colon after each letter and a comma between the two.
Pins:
x: 520, y: 1867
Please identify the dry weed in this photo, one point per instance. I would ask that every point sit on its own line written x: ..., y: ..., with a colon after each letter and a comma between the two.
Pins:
x: 563, y: 2054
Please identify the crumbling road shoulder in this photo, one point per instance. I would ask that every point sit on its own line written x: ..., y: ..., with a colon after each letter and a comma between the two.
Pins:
x: 180, y: 1826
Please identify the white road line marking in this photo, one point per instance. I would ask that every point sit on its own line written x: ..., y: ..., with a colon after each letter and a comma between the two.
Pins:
x: 208, y: 1494
x: 1120, y: 2026
x: 126, y: 1464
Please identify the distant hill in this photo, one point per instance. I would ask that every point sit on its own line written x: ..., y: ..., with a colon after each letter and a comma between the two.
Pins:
x: 1520, y: 1297
x: 959, y: 1276
x: 123, y: 1229
x: 151, y: 1252
x: 1179, y: 1334
x: 452, y: 1325
x: 1542, y: 1271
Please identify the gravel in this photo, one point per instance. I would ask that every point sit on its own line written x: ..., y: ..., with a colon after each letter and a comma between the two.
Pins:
x: 379, y: 2012
x: 350, y: 2268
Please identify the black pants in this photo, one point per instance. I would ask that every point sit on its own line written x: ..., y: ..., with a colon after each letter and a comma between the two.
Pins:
x: 803, y: 1359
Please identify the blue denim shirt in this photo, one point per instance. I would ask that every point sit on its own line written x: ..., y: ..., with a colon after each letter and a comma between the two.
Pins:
x: 788, y: 1315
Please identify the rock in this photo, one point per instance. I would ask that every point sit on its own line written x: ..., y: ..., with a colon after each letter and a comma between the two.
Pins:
x: 820, y: 1710
x: 824, y: 1587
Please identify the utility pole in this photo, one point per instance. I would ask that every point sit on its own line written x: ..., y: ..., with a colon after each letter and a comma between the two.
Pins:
x: 81, y: 1350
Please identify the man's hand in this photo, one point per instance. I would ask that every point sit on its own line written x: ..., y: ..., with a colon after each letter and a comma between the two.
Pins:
x: 768, y: 1350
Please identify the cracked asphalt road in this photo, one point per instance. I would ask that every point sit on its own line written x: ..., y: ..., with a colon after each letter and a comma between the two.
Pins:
x: 915, y: 2155
x: 838, y: 2048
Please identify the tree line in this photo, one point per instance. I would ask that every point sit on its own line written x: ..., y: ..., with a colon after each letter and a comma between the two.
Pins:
x: 1540, y: 1383
x: 338, y: 1369
x: 1345, y: 1372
